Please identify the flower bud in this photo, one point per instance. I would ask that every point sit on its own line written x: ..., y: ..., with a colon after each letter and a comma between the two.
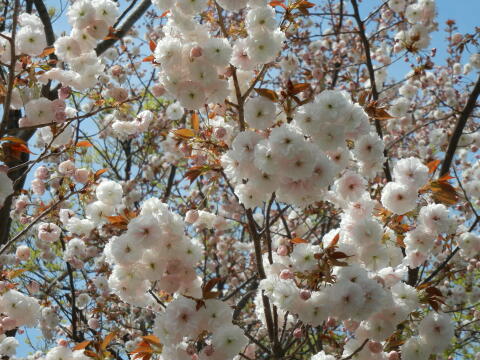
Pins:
x: 23, y: 252
x: 282, y: 250
x: 191, y: 216
x: 196, y: 51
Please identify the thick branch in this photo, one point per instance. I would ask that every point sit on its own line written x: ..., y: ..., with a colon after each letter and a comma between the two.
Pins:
x: 371, y: 74
x: 125, y: 26
x: 457, y: 133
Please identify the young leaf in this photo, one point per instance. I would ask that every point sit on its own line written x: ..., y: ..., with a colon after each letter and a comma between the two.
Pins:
x: 152, y: 45
x: 108, y: 339
x: 152, y: 339
x: 184, y: 133
x: 269, y: 94
x: 13, y: 139
x: 82, y: 345
x: 433, y: 165
x: 84, y: 143
x: 298, y: 240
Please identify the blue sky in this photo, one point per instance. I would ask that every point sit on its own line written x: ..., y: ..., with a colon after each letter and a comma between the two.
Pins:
x: 464, y: 12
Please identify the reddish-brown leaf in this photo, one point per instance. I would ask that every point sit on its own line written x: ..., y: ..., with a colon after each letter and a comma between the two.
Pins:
x: 117, y: 220
x: 433, y: 291
x: 84, y: 143
x: 400, y: 241
x: 152, y: 339
x: 195, y: 122
x: 108, y: 339
x: 193, y: 173
x: 82, y: 345
x: 382, y: 114
x: 90, y: 353
x: 141, y: 349
x: 20, y: 148
x: 334, y: 242
x: 13, y: 139
x: 14, y: 273
x: 446, y: 177
x: 277, y: 3
x: 433, y: 165
x: 298, y: 240
x: 339, y: 255
x: 298, y: 88
x: 47, y: 51
x: 152, y: 45
x: 443, y: 192
x: 269, y: 94
x: 184, y: 133
x: 99, y: 172
x: 211, y: 284
x: 149, y: 58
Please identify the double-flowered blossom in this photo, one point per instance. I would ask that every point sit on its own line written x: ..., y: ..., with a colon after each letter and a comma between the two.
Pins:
x: 153, y: 249
x: 212, y: 317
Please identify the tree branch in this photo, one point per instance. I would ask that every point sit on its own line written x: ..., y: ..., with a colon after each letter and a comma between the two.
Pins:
x: 457, y: 133
x: 371, y: 74
x: 126, y: 25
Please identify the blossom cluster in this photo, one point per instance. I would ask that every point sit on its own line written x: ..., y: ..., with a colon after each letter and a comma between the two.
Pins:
x: 154, y: 249
x: 194, y: 65
x: 300, y: 160
x: 212, y: 317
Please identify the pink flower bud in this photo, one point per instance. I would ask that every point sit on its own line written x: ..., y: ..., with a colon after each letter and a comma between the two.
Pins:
x: 228, y: 72
x: 305, y: 294
x: 62, y: 342
x: 93, y: 323
x: 250, y: 351
x: 20, y: 205
x: 24, y: 122
x: 42, y: 173
x: 456, y: 38
x: 38, y: 187
x: 282, y: 250
x: 23, y: 252
x: 196, y: 51
x: 66, y: 168
x: 116, y: 70
x: 298, y: 333
x: 64, y: 92
x: 9, y: 323
x: 393, y: 355
x: 33, y: 287
x: 117, y: 93
x: 351, y: 325
x: 191, y: 350
x: 220, y: 132
x: 60, y: 116
x: 81, y: 175
x: 209, y: 350
x: 191, y: 216
x: 157, y: 90
x: 58, y: 105
x: 286, y: 274
x: 375, y: 347
x: 331, y: 322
